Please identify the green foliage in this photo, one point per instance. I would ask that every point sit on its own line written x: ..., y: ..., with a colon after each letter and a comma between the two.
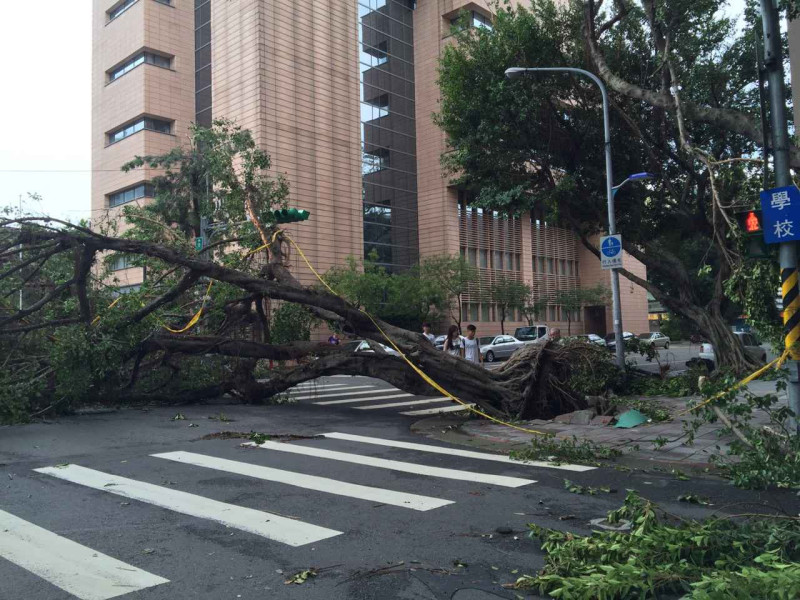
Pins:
x: 452, y: 277
x: 498, y: 127
x: 574, y: 300
x: 768, y: 454
x: 647, y: 406
x: 571, y: 450
x: 677, y: 328
x: 508, y: 295
x: 700, y: 560
x: 678, y: 386
x: 291, y: 323
x: 404, y: 299
x: 595, y: 374
x: 574, y: 488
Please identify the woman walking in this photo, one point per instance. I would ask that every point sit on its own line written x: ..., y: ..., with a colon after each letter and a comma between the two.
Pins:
x: 452, y: 343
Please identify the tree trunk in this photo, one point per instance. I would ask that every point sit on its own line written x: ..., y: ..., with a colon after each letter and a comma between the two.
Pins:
x: 728, y: 350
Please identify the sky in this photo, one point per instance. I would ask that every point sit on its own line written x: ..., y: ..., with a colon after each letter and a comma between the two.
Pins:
x: 45, y: 143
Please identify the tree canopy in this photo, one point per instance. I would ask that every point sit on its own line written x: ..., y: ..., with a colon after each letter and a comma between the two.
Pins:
x: 684, y: 107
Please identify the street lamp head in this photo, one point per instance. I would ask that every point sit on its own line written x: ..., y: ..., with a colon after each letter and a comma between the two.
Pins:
x: 642, y: 176
x: 515, y: 72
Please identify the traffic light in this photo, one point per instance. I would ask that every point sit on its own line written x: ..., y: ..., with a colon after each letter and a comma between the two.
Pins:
x: 751, y: 223
x: 290, y: 215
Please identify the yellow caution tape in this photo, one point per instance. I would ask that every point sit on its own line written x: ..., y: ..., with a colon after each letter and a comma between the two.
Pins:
x: 416, y: 369
x: 197, y: 315
x: 777, y: 363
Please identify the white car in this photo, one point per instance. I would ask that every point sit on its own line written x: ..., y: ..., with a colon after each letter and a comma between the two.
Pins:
x: 591, y: 338
x: 364, y: 346
x: 750, y: 343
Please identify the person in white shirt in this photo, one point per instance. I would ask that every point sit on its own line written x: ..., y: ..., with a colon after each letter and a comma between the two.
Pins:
x: 452, y: 344
x: 426, y: 331
x: 472, y: 348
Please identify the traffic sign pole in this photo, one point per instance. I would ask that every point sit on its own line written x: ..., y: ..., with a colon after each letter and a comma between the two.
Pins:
x: 773, y: 61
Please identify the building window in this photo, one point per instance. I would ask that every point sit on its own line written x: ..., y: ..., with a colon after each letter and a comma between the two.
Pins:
x: 484, y: 259
x: 498, y: 261
x: 158, y: 125
x: 120, y: 262
x: 128, y: 289
x: 374, y: 160
x: 485, y: 315
x: 120, y: 8
x: 552, y: 313
x: 141, y: 58
x: 143, y: 190
x: 202, y: 63
x: 473, y: 19
x: 550, y: 266
x: 473, y: 257
x: 474, y: 311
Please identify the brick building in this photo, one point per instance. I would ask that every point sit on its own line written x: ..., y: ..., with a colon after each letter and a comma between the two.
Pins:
x: 340, y: 93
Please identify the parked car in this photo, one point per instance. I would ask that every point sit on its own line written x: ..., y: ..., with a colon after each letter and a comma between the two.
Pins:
x: 654, y: 340
x: 499, y: 346
x: 611, y: 342
x: 364, y: 346
x: 591, y: 338
x: 750, y: 343
x: 531, y: 333
x: 439, y: 342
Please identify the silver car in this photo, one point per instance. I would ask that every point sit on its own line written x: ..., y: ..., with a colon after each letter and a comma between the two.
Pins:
x: 498, y: 346
x: 654, y: 340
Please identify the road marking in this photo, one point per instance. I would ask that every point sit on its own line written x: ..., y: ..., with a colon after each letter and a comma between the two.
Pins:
x: 454, y: 452
x: 311, y: 482
x: 396, y: 404
x: 268, y: 525
x: 76, y: 569
x: 334, y: 393
x: 318, y: 386
x: 353, y: 400
x: 339, y: 392
x: 436, y: 411
x: 396, y: 465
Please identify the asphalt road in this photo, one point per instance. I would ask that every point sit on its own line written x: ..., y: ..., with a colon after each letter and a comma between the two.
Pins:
x: 87, y: 506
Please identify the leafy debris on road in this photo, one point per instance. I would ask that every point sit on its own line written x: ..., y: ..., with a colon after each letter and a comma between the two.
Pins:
x: 575, y: 488
x: 570, y: 450
x: 301, y: 577
x: 678, y: 474
x: 693, y: 499
x: 179, y: 417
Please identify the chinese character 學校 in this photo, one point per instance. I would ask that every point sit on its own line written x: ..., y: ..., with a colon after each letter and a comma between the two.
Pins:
x: 780, y: 200
x: 784, y: 229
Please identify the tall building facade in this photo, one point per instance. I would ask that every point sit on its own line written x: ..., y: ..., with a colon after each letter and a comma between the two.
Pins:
x: 341, y: 93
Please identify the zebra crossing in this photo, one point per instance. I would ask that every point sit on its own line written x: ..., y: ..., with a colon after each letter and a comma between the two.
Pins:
x: 88, y: 574
x: 369, y: 396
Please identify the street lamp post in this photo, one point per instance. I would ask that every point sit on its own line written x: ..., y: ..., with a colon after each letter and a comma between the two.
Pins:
x: 515, y: 72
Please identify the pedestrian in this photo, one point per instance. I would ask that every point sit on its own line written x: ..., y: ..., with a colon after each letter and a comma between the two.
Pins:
x: 554, y: 335
x: 426, y: 331
x: 472, y: 347
x: 334, y: 339
x: 452, y: 343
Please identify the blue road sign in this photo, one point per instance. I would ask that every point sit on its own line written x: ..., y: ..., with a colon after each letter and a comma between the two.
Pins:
x: 781, y: 210
x: 611, y: 251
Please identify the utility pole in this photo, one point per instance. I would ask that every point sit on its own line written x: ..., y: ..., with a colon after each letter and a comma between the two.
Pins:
x: 20, y: 253
x: 773, y: 63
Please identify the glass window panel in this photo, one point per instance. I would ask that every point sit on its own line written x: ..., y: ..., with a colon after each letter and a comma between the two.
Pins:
x: 498, y: 260
x: 550, y: 265
x: 473, y: 257
x: 552, y: 313
x: 509, y: 262
x: 485, y: 312
x: 484, y: 259
x: 563, y: 267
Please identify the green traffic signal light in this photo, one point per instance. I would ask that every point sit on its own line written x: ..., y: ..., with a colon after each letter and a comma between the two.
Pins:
x: 291, y: 215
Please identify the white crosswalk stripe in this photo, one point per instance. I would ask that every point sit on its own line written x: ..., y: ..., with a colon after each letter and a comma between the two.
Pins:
x: 338, y: 392
x: 80, y: 571
x: 318, y: 386
x: 311, y: 482
x: 453, y: 452
x: 396, y: 404
x: 268, y: 525
x: 335, y: 393
x: 436, y: 411
x: 354, y: 400
x: 396, y: 465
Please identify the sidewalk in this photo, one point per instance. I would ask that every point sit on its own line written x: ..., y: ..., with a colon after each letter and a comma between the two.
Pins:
x: 636, y: 443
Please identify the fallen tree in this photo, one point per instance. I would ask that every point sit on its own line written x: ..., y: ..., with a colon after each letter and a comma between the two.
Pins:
x: 69, y: 335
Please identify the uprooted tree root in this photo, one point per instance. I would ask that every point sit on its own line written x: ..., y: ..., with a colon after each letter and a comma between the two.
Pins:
x: 545, y: 373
